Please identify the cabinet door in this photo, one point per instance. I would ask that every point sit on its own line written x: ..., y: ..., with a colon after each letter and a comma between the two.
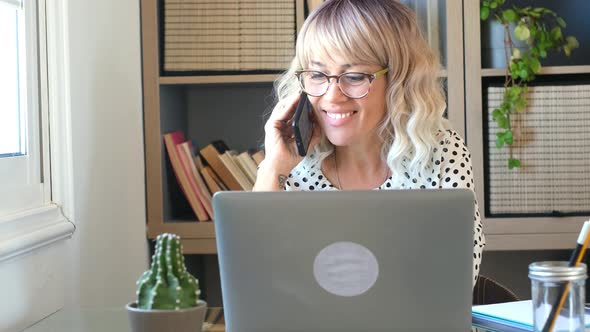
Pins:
x: 442, y: 26
x: 531, y: 216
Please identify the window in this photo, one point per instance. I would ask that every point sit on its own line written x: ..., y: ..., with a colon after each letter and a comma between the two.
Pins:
x: 13, y: 96
x: 24, y: 166
x: 35, y: 185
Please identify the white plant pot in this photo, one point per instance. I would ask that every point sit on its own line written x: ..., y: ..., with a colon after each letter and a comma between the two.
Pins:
x: 183, y: 320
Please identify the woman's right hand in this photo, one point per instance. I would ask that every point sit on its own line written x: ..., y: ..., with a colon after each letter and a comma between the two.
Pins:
x: 280, y: 149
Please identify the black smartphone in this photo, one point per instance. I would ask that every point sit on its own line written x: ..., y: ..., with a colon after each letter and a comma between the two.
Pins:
x: 302, y: 124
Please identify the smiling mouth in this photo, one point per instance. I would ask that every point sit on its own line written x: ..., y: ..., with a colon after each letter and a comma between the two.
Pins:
x: 339, y: 115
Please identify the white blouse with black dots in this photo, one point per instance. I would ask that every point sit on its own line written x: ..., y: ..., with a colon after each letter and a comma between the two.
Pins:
x: 451, y: 169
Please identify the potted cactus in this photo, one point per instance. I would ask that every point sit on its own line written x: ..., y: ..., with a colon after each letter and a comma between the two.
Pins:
x: 167, y: 294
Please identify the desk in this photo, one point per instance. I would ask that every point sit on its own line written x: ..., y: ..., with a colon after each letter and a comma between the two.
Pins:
x: 114, y: 320
x: 107, y: 319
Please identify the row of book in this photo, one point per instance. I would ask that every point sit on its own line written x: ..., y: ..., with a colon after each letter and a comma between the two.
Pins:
x: 213, y: 168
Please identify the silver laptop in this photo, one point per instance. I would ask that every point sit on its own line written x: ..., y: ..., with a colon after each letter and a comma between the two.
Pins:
x: 346, y: 260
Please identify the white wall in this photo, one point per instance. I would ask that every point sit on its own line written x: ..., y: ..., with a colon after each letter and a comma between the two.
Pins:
x: 98, y: 267
x: 108, y: 251
x: 32, y: 287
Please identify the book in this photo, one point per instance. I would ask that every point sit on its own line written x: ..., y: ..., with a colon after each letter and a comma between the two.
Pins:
x: 212, y: 153
x: 248, y: 165
x: 210, y: 181
x: 216, y: 178
x: 201, y: 190
x: 514, y: 316
x: 258, y: 157
x: 171, y: 140
x: 227, y: 158
x: 198, y: 161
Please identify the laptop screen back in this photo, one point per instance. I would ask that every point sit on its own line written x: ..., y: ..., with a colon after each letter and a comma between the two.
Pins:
x: 346, y: 260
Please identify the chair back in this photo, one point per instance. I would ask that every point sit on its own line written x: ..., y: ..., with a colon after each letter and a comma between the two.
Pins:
x: 490, y: 291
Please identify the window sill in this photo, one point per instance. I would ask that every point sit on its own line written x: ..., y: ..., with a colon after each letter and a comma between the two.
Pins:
x: 26, y: 231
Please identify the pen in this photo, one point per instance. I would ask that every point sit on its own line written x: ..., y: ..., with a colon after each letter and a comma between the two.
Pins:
x: 575, y: 260
x: 579, y: 244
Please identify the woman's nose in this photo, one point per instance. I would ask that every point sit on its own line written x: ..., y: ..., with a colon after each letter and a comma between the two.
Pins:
x: 334, y: 93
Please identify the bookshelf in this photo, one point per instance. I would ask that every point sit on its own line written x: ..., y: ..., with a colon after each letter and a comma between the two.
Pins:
x: 230, y: 106
x: 518, y: 231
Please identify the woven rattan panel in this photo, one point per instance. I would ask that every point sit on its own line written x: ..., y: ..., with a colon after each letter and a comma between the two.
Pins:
x: 552, y: 140
x: 228, y: 35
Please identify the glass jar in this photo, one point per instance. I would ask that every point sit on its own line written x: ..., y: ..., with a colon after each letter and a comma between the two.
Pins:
x: 549, y: 280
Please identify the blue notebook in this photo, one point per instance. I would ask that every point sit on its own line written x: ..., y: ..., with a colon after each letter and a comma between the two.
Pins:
x: 509, y: 316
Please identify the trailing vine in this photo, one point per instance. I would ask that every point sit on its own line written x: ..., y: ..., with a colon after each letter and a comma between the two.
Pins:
x: 541, y: 28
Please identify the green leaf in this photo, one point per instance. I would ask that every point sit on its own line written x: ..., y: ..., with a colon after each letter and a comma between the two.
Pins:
x: 543, y: 54
x: 522, y: 32
x: 520, y: 104
x: 499, y: 142
x: 508, y: 138
x: 513, y: 66
x: 556, y: 33
x: 535, y: 65
x: 572, y: 42
x: 549, y: 12
x: 510, y: 15
x: 561, y: 22
x: 515, y: 54
x: 535, y: 14
x: 503, y: 122
x: 523, y: 73
x: 484, y: 13
x: 494, y: 5
x: 497, y: 113
x: 513, y: 163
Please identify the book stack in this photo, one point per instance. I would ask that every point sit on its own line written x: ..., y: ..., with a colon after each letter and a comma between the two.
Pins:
x: 552, y: 140
x: 214, y: 168
x: 228, y: 35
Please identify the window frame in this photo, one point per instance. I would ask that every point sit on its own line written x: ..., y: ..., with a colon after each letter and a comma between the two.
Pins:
x: 39, y: 225
x: 24, y: 176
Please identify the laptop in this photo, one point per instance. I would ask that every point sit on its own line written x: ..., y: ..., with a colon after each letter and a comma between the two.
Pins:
x: 346, y: 261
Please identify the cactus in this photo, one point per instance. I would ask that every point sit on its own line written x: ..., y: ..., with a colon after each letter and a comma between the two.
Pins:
x: 167, y: 284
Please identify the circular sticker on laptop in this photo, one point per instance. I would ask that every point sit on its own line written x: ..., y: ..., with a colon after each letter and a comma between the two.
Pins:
x: 346, y: 269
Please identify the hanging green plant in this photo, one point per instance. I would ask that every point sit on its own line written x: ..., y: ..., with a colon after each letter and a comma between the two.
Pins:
x: 541, y: 29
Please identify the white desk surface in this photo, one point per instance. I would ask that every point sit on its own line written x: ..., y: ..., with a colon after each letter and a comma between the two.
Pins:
x: 84, y: 320
x: 106, y: 320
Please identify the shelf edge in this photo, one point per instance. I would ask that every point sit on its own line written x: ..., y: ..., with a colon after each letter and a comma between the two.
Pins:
x: 585, y: 69
x: 172, y: 80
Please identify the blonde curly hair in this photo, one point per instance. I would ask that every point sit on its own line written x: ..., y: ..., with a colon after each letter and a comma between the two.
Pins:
x: 383, y: 33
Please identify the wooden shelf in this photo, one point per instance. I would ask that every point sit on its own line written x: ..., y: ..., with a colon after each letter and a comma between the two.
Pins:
x: 172, y: 80
x: 212, y: 79
x: 496, y: 72
x: 197, y: 237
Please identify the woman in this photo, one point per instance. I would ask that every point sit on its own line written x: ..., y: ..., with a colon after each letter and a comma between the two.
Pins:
x: 378, y: 109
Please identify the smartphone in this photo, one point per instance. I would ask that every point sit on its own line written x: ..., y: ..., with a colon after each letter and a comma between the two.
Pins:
x: 302, y: 124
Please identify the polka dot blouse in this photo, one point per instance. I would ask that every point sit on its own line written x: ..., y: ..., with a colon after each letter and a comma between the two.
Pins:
x: 451, y: 168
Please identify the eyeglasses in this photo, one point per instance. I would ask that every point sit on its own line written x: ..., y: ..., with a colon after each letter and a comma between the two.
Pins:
x: 353, y: 85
